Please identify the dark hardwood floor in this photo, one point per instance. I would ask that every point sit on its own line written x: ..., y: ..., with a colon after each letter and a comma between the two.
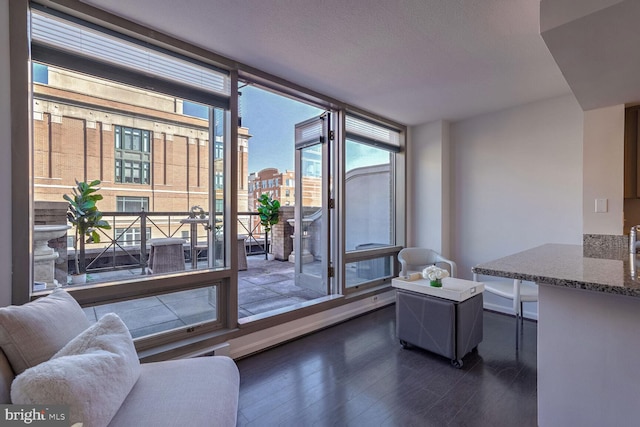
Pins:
x: 357, y: 374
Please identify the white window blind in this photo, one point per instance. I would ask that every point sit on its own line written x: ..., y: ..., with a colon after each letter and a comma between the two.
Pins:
x: 77, y: 39
x: 372, y: 132
x: 309, y: 132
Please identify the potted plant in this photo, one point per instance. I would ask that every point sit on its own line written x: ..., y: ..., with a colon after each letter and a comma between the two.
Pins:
x: 84, y: 215
x: 269, y: 211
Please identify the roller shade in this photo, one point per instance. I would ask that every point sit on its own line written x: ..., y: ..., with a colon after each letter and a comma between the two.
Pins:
x: 72, y: 39
x: 367, y: 132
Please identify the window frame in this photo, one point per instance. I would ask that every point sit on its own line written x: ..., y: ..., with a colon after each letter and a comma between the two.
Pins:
x: 397, y: 221
x: 130, y: 169
x: 227, y: 281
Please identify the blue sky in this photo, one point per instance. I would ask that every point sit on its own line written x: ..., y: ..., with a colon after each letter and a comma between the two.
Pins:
x: 271, y: 121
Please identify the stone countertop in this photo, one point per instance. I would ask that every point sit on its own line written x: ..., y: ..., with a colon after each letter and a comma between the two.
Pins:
x: 567, y: 266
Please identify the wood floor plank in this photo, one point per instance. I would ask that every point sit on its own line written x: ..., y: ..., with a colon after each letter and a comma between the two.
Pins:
x: 357, y: 374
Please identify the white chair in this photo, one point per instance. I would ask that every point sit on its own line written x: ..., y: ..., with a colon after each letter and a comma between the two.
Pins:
x: 416, y: 259
x: 517, y: 291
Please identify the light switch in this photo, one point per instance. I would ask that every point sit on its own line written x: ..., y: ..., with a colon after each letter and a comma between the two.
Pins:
x: 601, y: 205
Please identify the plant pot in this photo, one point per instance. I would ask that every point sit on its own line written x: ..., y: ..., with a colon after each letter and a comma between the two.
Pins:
x: 79, y: 279
x: 271, y: 256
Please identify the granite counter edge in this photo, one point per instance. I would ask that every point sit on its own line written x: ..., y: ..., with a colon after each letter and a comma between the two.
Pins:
x: 554, y: 281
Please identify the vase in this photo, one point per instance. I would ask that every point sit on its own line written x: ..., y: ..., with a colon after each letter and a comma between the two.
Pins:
x: 436, y: 283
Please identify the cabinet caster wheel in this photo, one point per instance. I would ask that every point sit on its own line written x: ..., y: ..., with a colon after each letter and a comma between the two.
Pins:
x: 404, y: 344
x: 457, y: 363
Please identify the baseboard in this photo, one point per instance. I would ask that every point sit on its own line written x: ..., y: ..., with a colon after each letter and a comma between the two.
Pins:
x: 255, y: 342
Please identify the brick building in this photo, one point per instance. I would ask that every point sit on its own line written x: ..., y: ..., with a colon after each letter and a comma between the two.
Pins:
x: 151, y: 151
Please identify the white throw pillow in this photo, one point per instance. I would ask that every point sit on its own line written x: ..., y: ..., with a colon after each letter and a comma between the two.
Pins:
x: 33, y: 332
x: 93, y: 374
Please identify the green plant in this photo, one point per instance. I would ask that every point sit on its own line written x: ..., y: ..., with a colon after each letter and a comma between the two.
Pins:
x: 83, y: 213
x: 269, y: 211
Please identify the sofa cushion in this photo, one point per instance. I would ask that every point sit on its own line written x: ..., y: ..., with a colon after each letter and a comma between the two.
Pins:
x: 93, y: 374
x: 202, y: 391
x: 31, y: 333
x: 6, y: 378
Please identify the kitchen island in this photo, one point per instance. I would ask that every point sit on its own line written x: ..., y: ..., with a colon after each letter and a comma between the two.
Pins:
x: 588, y: 332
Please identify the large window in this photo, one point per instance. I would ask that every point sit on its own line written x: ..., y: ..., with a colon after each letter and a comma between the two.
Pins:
x: 158, y: 130
x: 370, y: 221
x: 95, y: 118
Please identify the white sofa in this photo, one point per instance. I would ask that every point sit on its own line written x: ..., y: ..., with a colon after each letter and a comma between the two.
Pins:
x: 196, y: 392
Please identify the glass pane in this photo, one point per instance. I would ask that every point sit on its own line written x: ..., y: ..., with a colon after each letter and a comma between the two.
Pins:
x: 146, y: 147
x: 369, y: 197
x: 128, y: 139
x: 136, y: 144
x: 219, y: 258
x: 149, y: 315
x: 360, y: 272
x: 106, y: 137
x: 313, y: 243
x: 266, y: 165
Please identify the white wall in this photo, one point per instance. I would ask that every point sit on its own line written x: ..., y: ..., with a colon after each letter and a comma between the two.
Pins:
x: 516, y: 183
x: 5, y: 158
x: 428, y: 203
x: 603, y: 169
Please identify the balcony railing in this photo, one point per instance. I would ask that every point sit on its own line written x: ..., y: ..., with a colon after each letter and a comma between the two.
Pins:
x: 126, y: 246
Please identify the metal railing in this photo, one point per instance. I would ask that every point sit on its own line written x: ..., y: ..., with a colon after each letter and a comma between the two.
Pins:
x: 126, y: 245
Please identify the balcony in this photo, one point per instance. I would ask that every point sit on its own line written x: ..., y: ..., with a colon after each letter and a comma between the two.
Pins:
x: 123, y: 254
x: 264, y: 287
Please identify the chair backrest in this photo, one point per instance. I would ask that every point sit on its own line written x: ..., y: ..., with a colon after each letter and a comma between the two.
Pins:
x: 416, y: 259
x: 417, y: 256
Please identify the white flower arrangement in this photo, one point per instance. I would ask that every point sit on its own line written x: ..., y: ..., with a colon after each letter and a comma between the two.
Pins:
x: 434, y: 273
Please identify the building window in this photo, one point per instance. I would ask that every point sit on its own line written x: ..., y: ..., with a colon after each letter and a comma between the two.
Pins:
x: 132, y: 204
x: 219, y: 180
x: 219, y: 150
x: 133, y: 155
x: 219, y: 206
x: 131, y: 236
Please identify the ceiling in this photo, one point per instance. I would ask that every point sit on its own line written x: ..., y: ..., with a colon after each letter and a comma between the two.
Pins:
x: 413, y: 61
